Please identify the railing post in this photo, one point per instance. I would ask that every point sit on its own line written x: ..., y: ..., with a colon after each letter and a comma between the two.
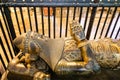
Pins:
x: 9, y: 21
x: 91, y: 20
x: 10, y: 26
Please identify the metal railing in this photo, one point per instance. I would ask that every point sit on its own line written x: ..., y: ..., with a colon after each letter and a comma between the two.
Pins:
x: 99, y: 19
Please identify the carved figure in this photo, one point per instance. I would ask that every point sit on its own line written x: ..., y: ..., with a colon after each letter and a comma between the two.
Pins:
x: 71, y: 56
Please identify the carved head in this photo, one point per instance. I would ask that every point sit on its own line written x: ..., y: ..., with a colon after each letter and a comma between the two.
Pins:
x: 28, y: 43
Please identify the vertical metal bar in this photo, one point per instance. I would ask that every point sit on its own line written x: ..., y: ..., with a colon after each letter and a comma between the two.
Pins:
x: 99, y: 22
x: 80, y: 14
x: 54, y: 13
x: 6, y: 39
x: 9, y: 21
x: 61, y: 23
x: 22, y: 18
x: 29, y: 18
x: 86, y: 17
x: 117, y: 32
x: 91, y: 22
x: 105, y: 21
x: 115, y: 24
x: 42, y: 21
x: 111, y: 21
x: 74, y: 13
x: 4, y: 50
x: 9, y: 34
x: 2, y: 62
x: 49, y: 22
x: 17, y: 20
x: 67, y: 22
x: 5, y: 20
x: 35, y: 16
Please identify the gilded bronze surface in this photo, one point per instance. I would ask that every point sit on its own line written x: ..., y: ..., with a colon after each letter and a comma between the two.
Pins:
x: 70, y: 56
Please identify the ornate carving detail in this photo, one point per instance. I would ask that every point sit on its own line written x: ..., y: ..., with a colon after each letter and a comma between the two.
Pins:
x: 77, y: 31
x: 77, y: 54
x: 107, y: 52
x: 71, y: 51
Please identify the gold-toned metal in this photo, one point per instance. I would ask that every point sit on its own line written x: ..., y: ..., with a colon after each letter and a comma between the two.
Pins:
x: 73, y: 56
x: 76, y: 31
x: 88, y: 64
x: 107, y: 52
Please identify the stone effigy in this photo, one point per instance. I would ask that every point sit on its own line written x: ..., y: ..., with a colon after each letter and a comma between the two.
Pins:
x: 70, y: 56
